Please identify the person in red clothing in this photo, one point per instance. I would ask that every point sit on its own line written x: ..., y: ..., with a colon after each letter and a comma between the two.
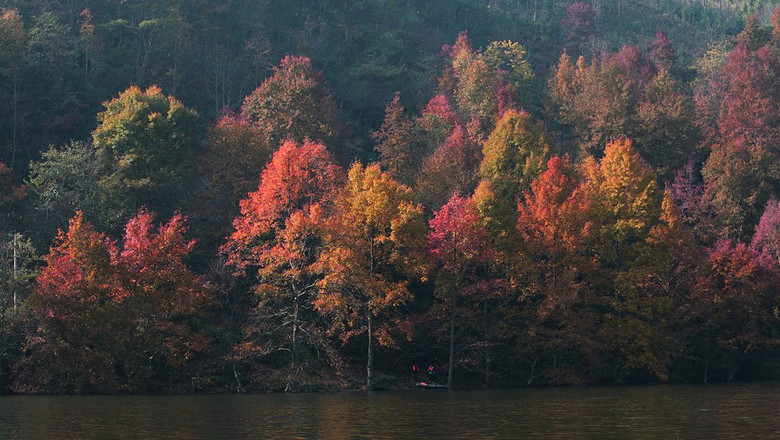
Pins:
x: 432, y: 374
x: 416, y: 372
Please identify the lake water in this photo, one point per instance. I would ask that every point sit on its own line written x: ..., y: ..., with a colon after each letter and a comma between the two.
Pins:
x: 749, y: 411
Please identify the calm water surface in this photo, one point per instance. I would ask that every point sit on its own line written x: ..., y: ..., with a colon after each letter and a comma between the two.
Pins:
x: 749, y: 411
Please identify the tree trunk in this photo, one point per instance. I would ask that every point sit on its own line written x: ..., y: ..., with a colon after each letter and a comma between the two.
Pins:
x: 16, y: 235
x: 16, y: 118
x: 295, y: 359
x: 533, y: 370
x: 487, y: 342
x: 370, y: 362
x: 452, y: 348
x: 733, y: 367
x: 239, y: 388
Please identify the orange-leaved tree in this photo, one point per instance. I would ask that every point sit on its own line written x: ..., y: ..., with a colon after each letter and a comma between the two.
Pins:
x: 737, y: 306
x: 165, y: 299
x: 451, y: 168
x: 234, y: 154
x: 399, y: 142
x: 624, y: 205
x: 278, y: 234
x: 767, y: 237
x: 375, y: 235
x: 294, y: 104
x: 436, y: 121
x: 109, y: 320
x: 76, y: 309
x: 554, y: 227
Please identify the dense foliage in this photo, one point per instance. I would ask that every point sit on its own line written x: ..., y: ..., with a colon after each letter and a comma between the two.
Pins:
x: 594, y: 200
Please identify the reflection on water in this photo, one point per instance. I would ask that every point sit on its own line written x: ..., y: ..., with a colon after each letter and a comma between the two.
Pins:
x: 667, y: 412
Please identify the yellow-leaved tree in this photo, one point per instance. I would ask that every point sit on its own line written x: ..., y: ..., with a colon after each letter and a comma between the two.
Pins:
x: 373, y: 238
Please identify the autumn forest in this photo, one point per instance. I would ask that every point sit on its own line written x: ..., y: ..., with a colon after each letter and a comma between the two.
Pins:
x: 246, y: 196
